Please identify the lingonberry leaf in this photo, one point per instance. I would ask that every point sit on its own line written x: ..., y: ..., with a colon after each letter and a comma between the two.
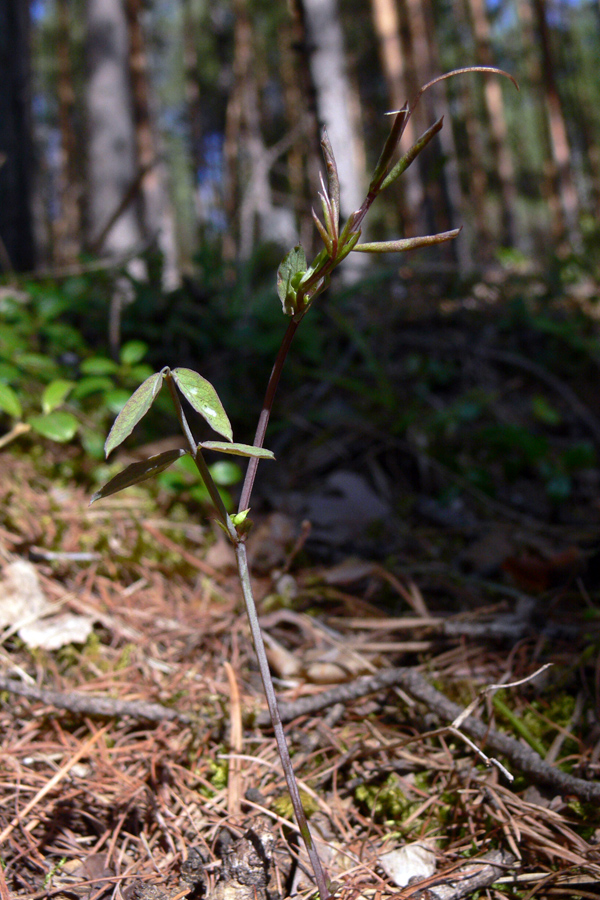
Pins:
x: 237, y: 449
x: 135, y: 409
x: 139, y: 471
x: 59, y: 426
x: 56, y: 393
x: 202, y: 396
x: 9, y: 402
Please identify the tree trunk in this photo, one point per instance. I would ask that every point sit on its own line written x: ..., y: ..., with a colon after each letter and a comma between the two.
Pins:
x: 67, y: 226
x: 558, y: 130
x: 303, y: 163
x: 443, y: 210
x: 249, y: 160
x: 191, y: 75
x: 16, y: 229
x: 157, y: 218
x: 533, y: 68
x: 113, y: 220
x: 387, y: 28
x: 492, y: 90
x: 327, y: 62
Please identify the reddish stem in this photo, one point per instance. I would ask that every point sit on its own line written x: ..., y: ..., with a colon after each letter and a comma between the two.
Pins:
x: 265, y: 413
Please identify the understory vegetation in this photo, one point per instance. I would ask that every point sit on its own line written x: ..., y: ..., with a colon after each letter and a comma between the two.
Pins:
x: 453, y: 430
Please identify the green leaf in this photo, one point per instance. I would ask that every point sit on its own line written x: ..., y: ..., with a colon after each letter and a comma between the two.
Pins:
x: 225, y: 473
x: 199, y: 492
x: 139, y: 372
x: 9, y: 402
x: 405, y: 161
x: 579, y: 456
x: 56, y: 426
x: 240, y: 518
x: 401, y: 117
x: 92, y: 384
x: 135, y: 409
x: 333, y: 182
x: 237, y: 449
x: 99, y: 365
x: 407, y: 243
x: 133, y: 352
x: 8, y: 372
x: 137, y: 472
x: 292, y: 263
x: 116, y: 399
x: 37, y: 363
x: 202, y: 396
x: 56, y: 393
x: 544, y: 411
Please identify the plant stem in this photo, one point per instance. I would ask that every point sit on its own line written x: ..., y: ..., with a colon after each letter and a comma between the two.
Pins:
x: 265, y: 413
x: 255, y: 630
x: 284, y: 755
x: 200, y: 461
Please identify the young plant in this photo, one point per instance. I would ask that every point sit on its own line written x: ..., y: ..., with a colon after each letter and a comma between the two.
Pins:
x: 298, y: 285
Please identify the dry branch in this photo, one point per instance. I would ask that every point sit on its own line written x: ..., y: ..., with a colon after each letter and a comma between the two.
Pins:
x: 519, y: 755
x: 94, y: 706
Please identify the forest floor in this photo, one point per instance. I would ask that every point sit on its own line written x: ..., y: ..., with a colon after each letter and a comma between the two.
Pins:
x: 431, y: 558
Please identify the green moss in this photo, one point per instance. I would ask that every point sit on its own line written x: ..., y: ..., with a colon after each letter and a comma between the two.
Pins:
x: 125, y: 657
x: 219, y: 773
x: 385, y: 801
x: 282, y: 805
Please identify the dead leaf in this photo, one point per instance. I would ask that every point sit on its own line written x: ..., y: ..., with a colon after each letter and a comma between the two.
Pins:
x: 56, y: 632
x: 25, y: 610
x: 531, y: 573
x: 21, y: 597
x: 416, y: 860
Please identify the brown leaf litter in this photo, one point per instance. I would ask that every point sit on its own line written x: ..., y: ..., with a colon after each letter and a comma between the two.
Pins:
x: 140, y: 763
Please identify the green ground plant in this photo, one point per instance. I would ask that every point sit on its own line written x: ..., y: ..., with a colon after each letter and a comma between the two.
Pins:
x: 298, y: 286
x: 51, y: 381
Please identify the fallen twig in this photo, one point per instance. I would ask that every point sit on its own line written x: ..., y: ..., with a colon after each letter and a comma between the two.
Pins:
x: 94, y: 706
x: 477, y: 874
x: 521, y: 756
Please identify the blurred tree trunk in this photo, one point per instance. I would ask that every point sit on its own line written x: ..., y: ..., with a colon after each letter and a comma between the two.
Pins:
x: 16, y: 229
x: 327, y: 62
x: 303, y: 160
x: 444, y: 209
x: 67, y: 226
x: 157, y: 218
x: 492, y: 92
x: 387, y: 28
x: 533, y: 71
x: 249, y: 161
x: 113, y: 178
x: 475, y: 174
x: 192, y: 64
x: 561, y: 153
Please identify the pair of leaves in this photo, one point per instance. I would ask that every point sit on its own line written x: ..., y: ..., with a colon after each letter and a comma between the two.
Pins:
x: 202, y: 397
x: 141, y: 471
x: 199, y: 393
x: 56, y: 425
x: 53, y: 396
